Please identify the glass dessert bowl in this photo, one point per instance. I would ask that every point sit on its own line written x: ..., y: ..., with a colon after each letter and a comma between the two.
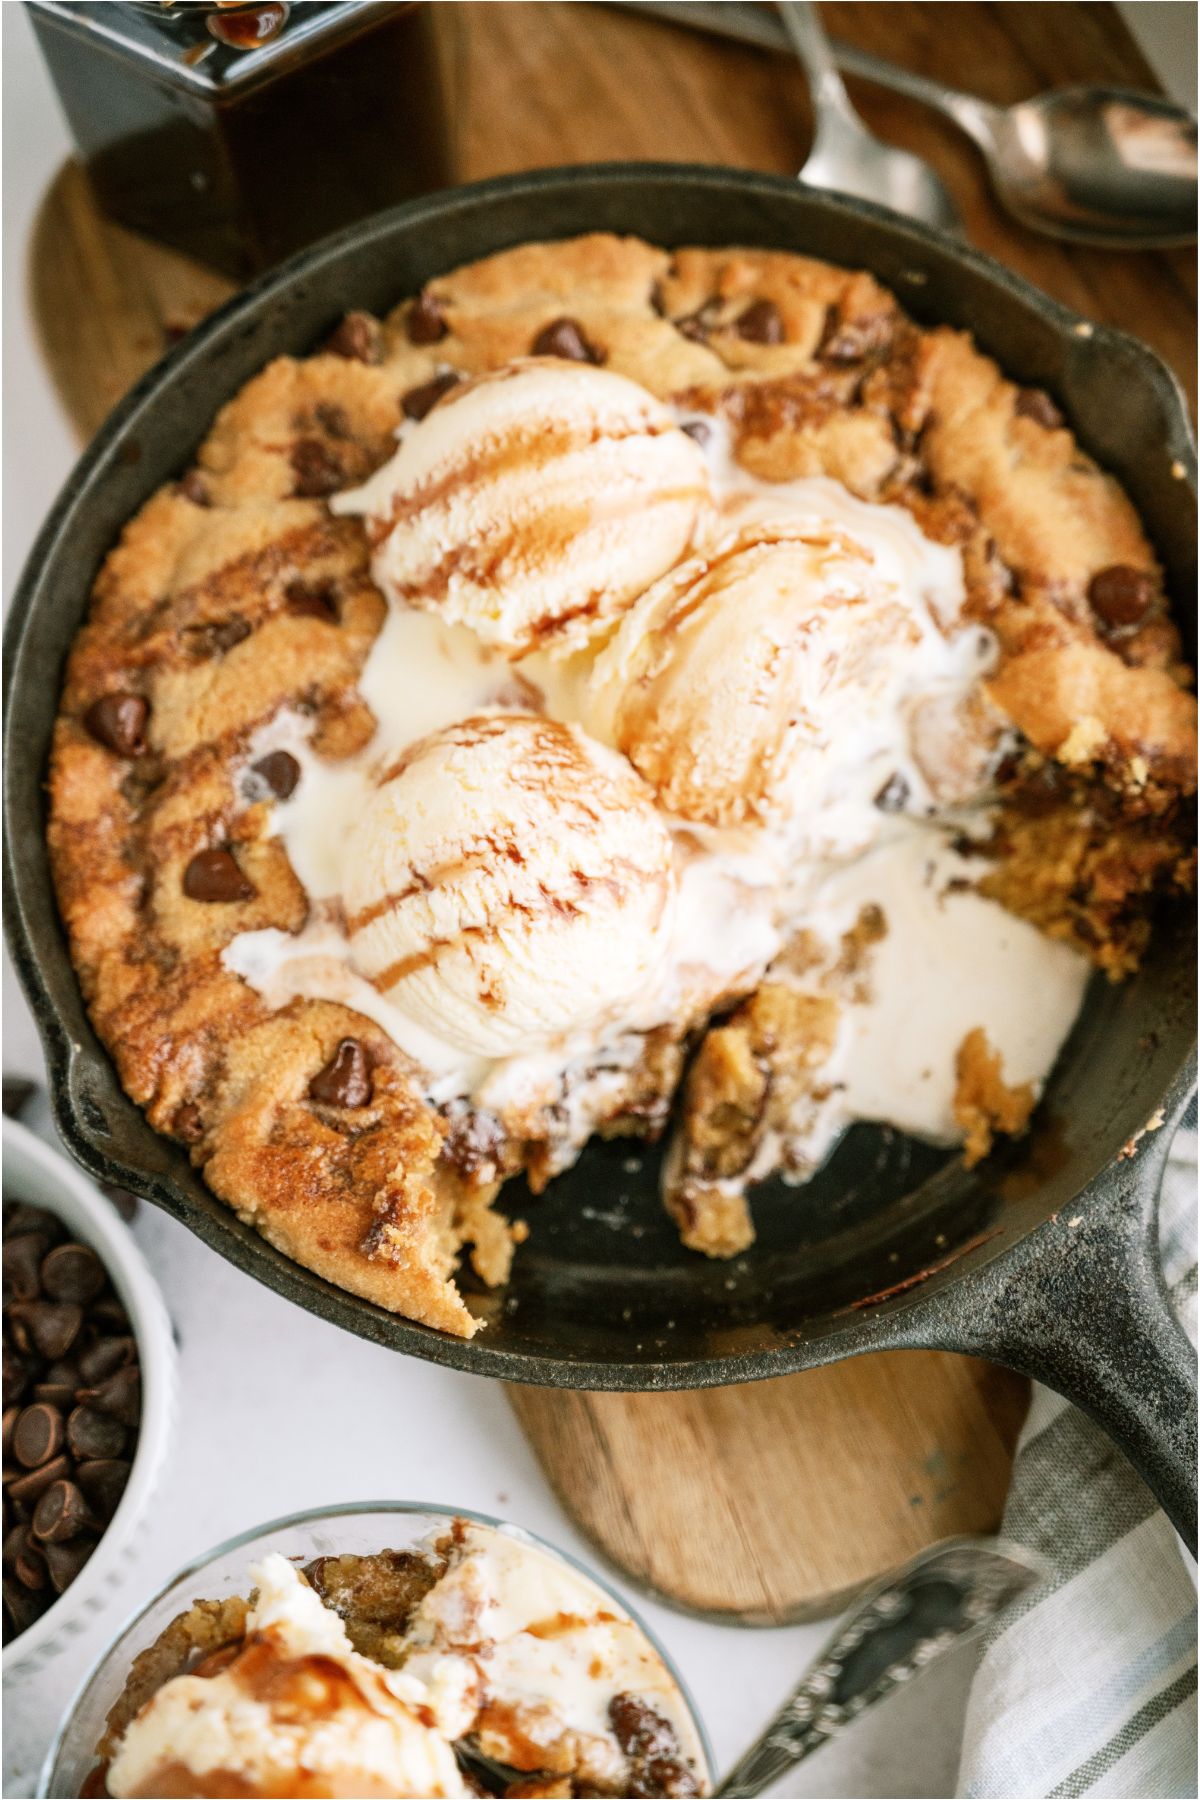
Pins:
x: 421, y: 1651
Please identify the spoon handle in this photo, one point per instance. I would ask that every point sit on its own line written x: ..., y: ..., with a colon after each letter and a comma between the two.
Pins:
x: 899, y: 1628
x: 976, y: 117
x: 808, y: 40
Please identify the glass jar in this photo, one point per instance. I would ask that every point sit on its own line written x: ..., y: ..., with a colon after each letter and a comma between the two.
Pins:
x: 239, y: 133
x: 359, y: 1529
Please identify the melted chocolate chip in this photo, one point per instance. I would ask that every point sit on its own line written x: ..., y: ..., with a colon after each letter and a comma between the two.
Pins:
x: 761, y: 323
x: 188, y: 1124
x: 1036, y: 404
x: 894, y: 795
x: 118, y: 721
x: 213, y: 875
x: 215, y: 638
x: 1121, y: 595
x: 359, y: 338
x: 194, y: 487
x: 346, y: 1078
x: 565, y: 338
x: 695, y: 327
x: 419, y: 402
x: 280, y: 772
x: 317, y: 471
x: 426, y: 319
x: 312, y: 600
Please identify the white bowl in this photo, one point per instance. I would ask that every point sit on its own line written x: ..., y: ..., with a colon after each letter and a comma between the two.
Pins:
x: 35, y: 1173
x: 359, y: 1528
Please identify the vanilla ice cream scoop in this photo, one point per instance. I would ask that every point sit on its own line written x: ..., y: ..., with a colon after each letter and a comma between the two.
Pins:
x: 509, y: 885
x: 294, y: 1710
x: 534, y: 504
x: 769, y: 678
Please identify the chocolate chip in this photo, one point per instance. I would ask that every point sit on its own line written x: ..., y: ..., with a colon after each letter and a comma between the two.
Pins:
x: 187, y: 1123
x: 20, y: 1219
x: 638, y: 1728
x: 426, y: 319
x: 26, y: 1490
x: 61, y: 1513
x: 213, y: 876
x: 118, y: 721
x: 216, y: 638
x: 21, y: 1606
x: 118, y: 1396
x: 15, y: 1539
x: 65, y: 1561
x: 17, y: 1375
x: 280, y: 772
x: 761, y: 323
x: 312, y: 600
x: 18, y: 1092
x: 317, y: 472
x: 669, y: 1776
x: 103, y: 1482
x: 92, y: 1435
x: 11, y: 1414
x: 73, y: 1272
x: 566, y: 338
x: 59, y: 1394
x: 193, y: 487
x: 698, y: 429
x: 334, y: 420
x: 419, y: 402
x: 346, y: 1078
x: 110, y: 1315
x: 37, y: 1435
x: 359, y: 338
x: 1121, y: 595
x: 695, y: 328
x: 29, y: 1565
x: 23, y: 1257
x: 894, y: 795
x: 104, y: 1358
x: 49, y: 1328
x: 1036, y: 404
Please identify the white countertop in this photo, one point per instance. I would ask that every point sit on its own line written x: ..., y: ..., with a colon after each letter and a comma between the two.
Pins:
x: 280, y: 1411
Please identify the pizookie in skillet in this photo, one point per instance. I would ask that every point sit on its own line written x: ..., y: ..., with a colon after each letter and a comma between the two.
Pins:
x: 730, y: 710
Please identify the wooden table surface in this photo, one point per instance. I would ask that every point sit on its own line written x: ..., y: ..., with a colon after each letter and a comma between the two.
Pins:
x: 765, y: 1502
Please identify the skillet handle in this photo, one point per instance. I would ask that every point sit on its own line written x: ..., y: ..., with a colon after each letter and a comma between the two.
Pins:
x: 1080, y: 1305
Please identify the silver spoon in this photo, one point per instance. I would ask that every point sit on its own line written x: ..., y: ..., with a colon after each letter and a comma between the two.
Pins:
x: 933, y: 1604
x: 1096, y: 165
x: 844, y: 155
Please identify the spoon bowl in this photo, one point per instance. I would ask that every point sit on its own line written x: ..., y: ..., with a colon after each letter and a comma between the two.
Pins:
x: 1097, y: 165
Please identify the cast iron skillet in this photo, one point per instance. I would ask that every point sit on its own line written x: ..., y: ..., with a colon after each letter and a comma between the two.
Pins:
x: 1043, y: 1259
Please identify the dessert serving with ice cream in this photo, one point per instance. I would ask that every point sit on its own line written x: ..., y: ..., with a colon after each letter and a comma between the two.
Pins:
x: 622, y: 692
x: 478, y: 1662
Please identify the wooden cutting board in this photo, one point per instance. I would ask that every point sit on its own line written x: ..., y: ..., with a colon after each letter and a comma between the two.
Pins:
x: 766, y: 1502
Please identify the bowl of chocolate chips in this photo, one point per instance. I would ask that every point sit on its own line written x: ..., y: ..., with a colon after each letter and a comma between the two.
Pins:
x: 89, y: 1376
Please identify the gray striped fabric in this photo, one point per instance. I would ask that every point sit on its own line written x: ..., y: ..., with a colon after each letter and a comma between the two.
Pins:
x: 1091, y: 1687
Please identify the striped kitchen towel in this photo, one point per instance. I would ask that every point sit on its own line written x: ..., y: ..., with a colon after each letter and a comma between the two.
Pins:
x: 1091, y: 1688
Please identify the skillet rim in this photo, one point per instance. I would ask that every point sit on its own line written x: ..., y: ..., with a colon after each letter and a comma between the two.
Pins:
x: 897, y: 1323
